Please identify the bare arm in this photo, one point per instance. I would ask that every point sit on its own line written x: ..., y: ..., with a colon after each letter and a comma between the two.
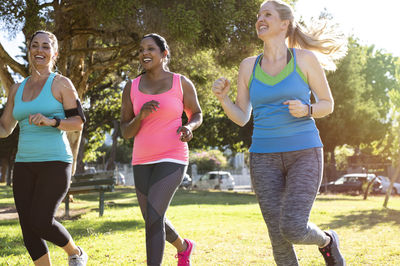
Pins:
x: 240, y: 111
x: 65, y: 91
x: 7, y: 121
x: 192, y: 110
x: 130, y: 124
x: 324, y: 104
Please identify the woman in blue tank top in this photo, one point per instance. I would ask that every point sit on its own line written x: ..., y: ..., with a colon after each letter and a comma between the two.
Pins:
x: 286, y: 159
x: 45, y: 105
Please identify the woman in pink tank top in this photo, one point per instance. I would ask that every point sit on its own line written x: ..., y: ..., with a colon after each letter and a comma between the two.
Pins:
x: 152, y: 107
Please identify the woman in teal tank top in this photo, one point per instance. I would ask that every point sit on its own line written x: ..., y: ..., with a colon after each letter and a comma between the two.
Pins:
x: 45, y: 105
x: 286, y: 160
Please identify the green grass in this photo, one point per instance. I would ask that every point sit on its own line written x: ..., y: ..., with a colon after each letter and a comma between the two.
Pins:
x: 227, y: 227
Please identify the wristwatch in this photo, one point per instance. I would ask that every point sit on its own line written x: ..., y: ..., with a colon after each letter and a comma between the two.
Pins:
x: 58, y: 120
x: 310, y: 110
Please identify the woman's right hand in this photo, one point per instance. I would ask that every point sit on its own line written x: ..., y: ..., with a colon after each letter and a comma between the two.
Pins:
x: 221, y: 88
x: 148, y: 108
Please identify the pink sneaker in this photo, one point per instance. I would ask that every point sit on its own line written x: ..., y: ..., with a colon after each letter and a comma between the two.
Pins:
x: 184, y: 256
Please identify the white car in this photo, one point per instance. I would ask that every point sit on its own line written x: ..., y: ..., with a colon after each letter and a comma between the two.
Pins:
x: 385, y: 181
x: 215, y: 180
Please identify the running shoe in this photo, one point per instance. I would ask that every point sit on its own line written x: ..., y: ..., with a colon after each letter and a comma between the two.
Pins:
x: 78, y: 260
x: 184, y: 256
x: 331, y: 252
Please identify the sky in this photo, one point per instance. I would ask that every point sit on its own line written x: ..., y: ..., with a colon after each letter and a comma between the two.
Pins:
x: 372, y: 22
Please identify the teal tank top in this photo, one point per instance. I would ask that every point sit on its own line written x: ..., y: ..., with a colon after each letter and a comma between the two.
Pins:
x: 275, y: 129
x: 39, y: 144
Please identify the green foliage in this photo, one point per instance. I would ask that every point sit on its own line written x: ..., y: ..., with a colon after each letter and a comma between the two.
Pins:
x: 210, y: 160
x: 361, y: 100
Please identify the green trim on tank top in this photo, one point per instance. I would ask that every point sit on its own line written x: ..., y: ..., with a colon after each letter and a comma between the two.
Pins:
x: 272, y: 80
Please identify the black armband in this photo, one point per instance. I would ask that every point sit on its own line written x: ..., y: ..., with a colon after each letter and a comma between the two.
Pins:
x: 78, y: 111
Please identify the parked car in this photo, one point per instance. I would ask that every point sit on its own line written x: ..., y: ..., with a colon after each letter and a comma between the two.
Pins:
x: 215, y: 180
x: 356, y: 182
x: 186, y: 182
x: 385, y: 183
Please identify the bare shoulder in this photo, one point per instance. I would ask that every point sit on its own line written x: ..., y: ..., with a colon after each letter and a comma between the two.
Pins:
x: 63, y: 82
x: 306, y: 57
x: 186, y: 83
x: 245, y: 69
x: 307, y: 61
x: 13, y: 90
x: 248, y: 62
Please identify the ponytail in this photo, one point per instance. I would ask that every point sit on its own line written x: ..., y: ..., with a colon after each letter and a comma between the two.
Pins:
x: 321, y: 38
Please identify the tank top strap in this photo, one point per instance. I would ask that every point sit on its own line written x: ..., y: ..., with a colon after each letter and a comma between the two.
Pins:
x: 255, y: 64
x: 294, y: 58
x: 46, y: 90
x: 177, y: 84
x: 20, y: 90
x: 135, y: 87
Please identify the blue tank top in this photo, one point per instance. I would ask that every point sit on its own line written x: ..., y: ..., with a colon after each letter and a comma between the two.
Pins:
x: 275, y: 129
x: 39, y: 144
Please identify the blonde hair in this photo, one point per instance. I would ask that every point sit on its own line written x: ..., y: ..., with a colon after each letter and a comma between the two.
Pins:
x: 53, y: 43
x: 320, y: 37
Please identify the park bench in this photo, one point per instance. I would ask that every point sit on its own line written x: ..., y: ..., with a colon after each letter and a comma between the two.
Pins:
x: 91, y: 182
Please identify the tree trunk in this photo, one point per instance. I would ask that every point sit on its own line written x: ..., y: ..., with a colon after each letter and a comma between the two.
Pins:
x: 393, y: 178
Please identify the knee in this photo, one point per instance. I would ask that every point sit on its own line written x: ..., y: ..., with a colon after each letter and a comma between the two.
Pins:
x: 39, y: 225
x: 292, y: 232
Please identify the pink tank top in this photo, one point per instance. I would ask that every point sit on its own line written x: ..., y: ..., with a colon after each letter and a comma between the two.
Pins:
x: 157, y: 139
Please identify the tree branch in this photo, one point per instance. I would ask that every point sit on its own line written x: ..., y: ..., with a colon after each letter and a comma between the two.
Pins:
x: 5, y: 77
x: 14, y: 65
x: 101, y: 49
x: 50, y: 4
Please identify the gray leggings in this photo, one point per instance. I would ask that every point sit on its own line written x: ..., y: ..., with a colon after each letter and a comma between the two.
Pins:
x: 286, y: 185
x: 155, y: 186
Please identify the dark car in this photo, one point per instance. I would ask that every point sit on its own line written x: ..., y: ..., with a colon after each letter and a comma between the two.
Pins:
x: 350, y: 183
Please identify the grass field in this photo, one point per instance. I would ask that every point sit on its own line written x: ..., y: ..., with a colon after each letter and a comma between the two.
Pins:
x: 227, y: 227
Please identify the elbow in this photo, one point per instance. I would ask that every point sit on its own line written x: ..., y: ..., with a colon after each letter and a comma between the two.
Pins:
x: 125, y: 134
x: 332, y: 107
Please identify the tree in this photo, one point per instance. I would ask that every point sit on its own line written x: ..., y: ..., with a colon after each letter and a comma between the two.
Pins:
x: 361, y: 100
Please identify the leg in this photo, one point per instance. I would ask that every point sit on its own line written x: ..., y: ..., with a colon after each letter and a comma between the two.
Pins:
x: 51, y: 188
x: 304, y: 175
x: 155, y: 194
x: 43, y: 260
x: 267, y: 175
x: 24, y: 183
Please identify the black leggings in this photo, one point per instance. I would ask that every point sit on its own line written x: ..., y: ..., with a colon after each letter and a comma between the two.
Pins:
x: 155, y: 186
x: 39, y: 188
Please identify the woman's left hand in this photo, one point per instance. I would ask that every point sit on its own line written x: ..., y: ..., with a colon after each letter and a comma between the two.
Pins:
x: 40, y: 120
x: 297, y: 108
x: 186, y: 133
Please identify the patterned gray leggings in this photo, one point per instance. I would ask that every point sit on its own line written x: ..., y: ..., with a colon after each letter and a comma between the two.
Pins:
x: 286, y: 185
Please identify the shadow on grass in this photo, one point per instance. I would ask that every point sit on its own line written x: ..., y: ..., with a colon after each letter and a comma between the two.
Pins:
x: 85, y: 229
x: 365, y: 220
x: 339, y: 198
x: 182, y: 197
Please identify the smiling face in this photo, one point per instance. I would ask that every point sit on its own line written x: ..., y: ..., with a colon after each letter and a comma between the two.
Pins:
x: 42, y: 51
x: 269, y: 23
x: 150, y: 54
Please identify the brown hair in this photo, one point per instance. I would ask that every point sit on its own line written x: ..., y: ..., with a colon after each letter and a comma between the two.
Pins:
x: 53, y: 40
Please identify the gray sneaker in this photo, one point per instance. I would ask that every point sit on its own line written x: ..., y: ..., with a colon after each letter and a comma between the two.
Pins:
x: 331, y: 252
x: 75, y: 260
